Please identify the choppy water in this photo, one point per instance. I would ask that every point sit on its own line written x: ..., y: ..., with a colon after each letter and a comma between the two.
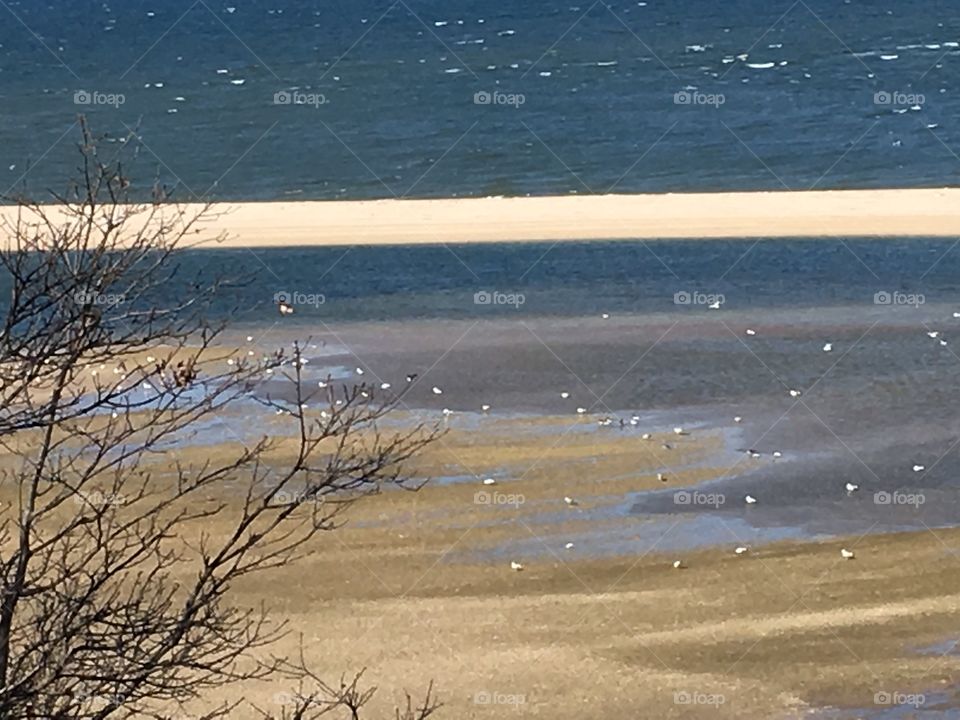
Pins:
x: 799, y: 84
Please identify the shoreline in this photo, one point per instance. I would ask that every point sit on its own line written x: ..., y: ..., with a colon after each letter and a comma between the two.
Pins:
x: 927, y: 212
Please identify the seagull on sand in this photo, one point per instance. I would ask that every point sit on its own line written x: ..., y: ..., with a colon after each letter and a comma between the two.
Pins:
x: 661, y: 477
x: 795, y: 393
x: 918, y: 468
x: 852, y: 488
x: 678, y: 565
x: 741, y: 550
x: 564, y: 395
x: 750, y: 500
x: 284, y: 309
x: 385, y: 386
x: 489, y: 481
x: 827, y: 347
x: 680, y: 431
x: 645, y: 436
x: 751, y: 332
x: 515, y: 566
x: 847, y: 554
x: 412, y: 377
x: 737, y: 419
x: 359, y: 371
x: 570, y: 501
x: 568, y: 546
x: 714, y: 306
x: 581, y: 410
x: 436, y: 390
x: 934, y: 334
x: 484, y: 408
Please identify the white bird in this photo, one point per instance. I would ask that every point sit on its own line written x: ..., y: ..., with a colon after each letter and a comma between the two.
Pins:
x: 581, y: 410
x: 568, y: 546
x: 738, y: 419
x: 447, y: 411
x: 661, y: 477
x: 935, y: 334
x: 714, y: 306
x: 741, y: 550
x: 847, y: 554
x: 570, y: 501
x: 322, y: 384
x: 750, y: 500
x: 515, y: 566
x: 385, y: 386
x: 437, y: 391
x: 794, y: 393
x: 634, y: 420
x: 827, y: 347
x: 606, y: 316
x: 645, y: 436
x: 359, y: 371
x: 489, y: 481
x: 285, y: 309
x: 777, y: 453
x: 564, y: 395
x: 943, y: 343
x: 484, y: 408
x: 918, y: 468
x: 249, y: 338
x: 751, y: 332
x: 666, y: 446
x: 679, y: 431
x: 678, y: 565
x: 851, y: 488
x: 956, y: 314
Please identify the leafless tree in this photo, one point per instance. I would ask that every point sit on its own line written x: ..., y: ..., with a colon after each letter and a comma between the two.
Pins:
x: 115, y: 598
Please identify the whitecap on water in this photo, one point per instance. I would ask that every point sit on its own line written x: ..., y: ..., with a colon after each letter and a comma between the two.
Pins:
x: 761, y: 66
x: 889, y: 57
x: 608, y: 63
x: 951, y: 44
x: 728, y: 60
x: 932, y: 46
x: 696, y: 48
x: 222, y: 71
x: 545, y: 73
x: 507, y: 32
x: 439, y: 23
x: 237, y: 81
x: 453, y: 71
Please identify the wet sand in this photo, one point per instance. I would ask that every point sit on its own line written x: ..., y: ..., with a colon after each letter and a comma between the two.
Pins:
x: 418, y: 587
x: 833, y: 213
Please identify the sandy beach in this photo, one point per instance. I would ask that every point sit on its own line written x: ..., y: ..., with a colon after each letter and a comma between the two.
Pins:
x: 417, y: 587
x: 832, y: 213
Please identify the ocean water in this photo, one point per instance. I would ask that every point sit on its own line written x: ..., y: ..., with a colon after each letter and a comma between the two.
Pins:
x: 863, y: 329
x: 582, y: 97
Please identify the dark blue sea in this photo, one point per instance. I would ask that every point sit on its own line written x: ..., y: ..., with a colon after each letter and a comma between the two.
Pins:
x: 247, y: 99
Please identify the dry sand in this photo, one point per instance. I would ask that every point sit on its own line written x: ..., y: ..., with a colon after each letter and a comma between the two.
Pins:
x: 911, y: 212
